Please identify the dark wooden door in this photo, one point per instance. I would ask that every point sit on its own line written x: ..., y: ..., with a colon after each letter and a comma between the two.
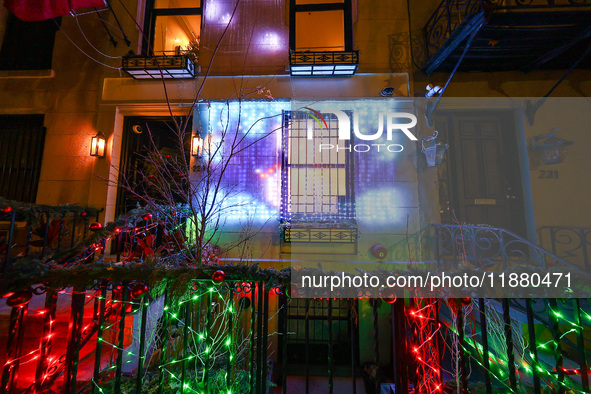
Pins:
x: 482, y: 172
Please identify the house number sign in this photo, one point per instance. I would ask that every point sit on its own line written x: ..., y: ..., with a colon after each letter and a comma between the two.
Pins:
x: 548, y: 174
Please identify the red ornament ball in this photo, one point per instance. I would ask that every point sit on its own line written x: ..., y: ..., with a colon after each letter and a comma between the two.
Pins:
x: 218, y: 276
x: 84, y: 214
x: 138, y: 290
x: 96, y: 226
x: 244, y: 303
x: 147, y: 217
x: 6, y: 210
x: 20, y: 298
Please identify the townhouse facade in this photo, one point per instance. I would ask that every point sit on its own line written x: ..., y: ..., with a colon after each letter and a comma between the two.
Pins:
x: 233, y: 63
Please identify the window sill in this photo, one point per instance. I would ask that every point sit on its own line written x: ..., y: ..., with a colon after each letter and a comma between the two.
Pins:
x: 14, y: 74
x: 318, y: 234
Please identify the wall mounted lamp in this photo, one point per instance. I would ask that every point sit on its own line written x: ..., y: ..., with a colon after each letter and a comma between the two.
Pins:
x: 97, y: 145
x: 552, y: 148
x: 433, y: 150
x: 197, y: 146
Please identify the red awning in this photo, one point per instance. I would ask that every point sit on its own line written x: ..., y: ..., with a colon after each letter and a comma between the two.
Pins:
x: 40, y: 10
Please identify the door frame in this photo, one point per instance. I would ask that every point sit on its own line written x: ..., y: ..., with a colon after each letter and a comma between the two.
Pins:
x: 515, y: 111
x: 124, y: 156
x: 115, y: 121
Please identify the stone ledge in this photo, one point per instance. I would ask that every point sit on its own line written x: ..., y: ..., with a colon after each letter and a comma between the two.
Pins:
x: 9, y: 74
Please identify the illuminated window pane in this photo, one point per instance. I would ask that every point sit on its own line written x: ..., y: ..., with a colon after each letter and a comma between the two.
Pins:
x: 319, y: 186
x: 320, y: 31
x: 174, y: 31
x: 177, y: 4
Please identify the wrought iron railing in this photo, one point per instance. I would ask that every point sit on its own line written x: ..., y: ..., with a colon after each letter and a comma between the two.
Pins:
x: 483, y: 247
x: 571, y: 243
x: 35, y: 231
x: 155, y: 67
x: 196, y: 343
x: 446, y: 19
x: 450, y: 14
x: 318, y: 235
x: 324, y: 57
x: 216, y: 338
x: 323, y: 63
x: 215, y: 332
x: 67, y: 235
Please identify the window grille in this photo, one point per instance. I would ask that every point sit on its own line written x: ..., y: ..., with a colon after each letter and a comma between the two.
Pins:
x: 317, y: 184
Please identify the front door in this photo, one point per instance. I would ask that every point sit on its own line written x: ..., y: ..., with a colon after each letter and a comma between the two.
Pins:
x: 481, y: 176
x: 143, y: 136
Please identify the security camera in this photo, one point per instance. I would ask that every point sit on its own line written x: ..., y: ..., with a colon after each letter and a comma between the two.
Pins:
x: 432, y: 90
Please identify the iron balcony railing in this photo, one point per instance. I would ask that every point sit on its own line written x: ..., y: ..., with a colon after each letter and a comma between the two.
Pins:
x: 323, y: 64
x: 156, y: 67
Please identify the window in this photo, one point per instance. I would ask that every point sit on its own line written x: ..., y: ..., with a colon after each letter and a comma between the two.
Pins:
x: 173, y: 25
x: 21, y: 150
x: 28, y: 45
x: 317, y: 184
x: 321, y: 25
x: 313, y: 322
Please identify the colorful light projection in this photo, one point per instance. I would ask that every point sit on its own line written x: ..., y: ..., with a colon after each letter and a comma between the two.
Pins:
x: 256, y: 117
x: 254, y: 171
x: 381, y: 206
x: 219, y: 13
x: 252, y: 174
x: 271, y: 41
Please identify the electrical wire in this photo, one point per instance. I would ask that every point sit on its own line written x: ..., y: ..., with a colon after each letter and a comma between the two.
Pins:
x: 89, y: 43
x: 86, y: 54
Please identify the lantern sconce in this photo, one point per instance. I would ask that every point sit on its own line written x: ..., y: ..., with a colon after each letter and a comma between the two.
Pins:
x: 552, y: 148
x: 97, y: 145
x: 433, y: 150
x: 197, y: 146
x: 197, y: 152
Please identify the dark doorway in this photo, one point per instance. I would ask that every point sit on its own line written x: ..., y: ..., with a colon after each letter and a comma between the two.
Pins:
x: 317, y: 330
x: 142, y: 135
x: 480, y: 179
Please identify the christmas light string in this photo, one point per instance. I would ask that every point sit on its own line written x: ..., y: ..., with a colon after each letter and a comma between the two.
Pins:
x: 426, y: 357
x: 221, y: 340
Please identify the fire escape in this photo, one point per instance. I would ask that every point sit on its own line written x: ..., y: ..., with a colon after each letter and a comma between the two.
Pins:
x: 507, y: 35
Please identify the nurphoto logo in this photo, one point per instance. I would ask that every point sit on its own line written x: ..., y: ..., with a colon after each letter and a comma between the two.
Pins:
x: 394, y: 122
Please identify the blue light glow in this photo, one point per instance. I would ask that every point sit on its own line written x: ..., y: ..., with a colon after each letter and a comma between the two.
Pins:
x: 380, y: 206
x: 254, y: 173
